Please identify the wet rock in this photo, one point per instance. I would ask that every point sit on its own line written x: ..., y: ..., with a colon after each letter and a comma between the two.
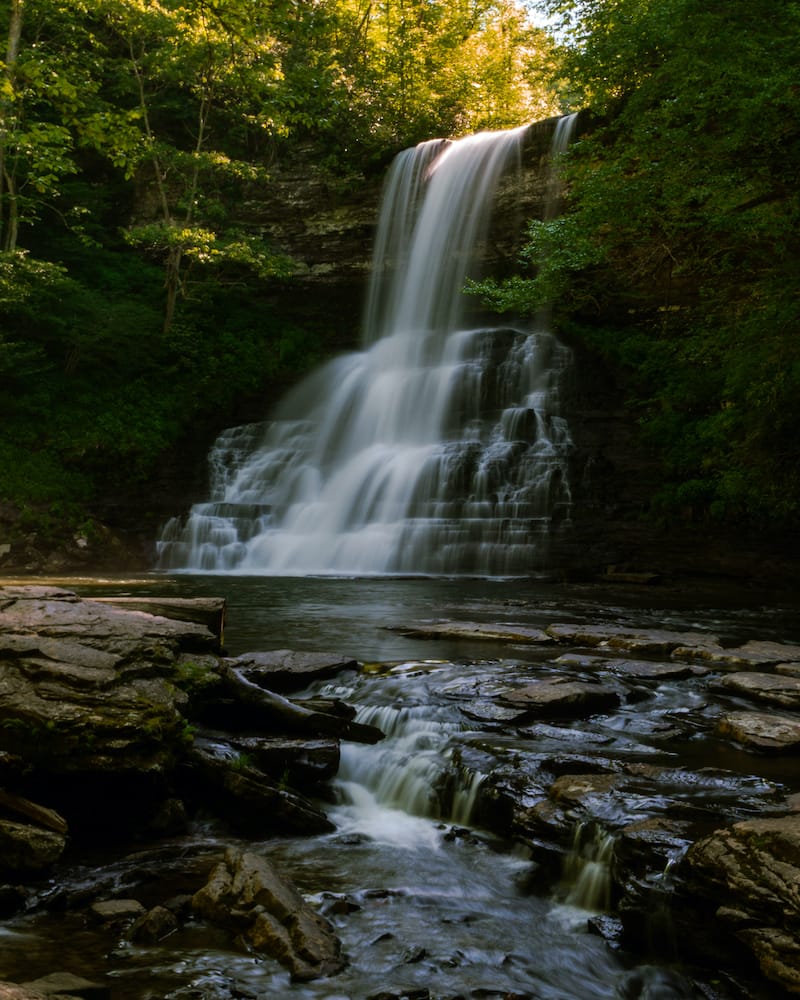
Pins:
x: 654, y: 641
x: 751, y: 872
x: 761, y: 731
x: 246, y: 894
x: 751, y: 654
x: 650, y: 670
x: 288, y: 670
x: 573, y: 699
x: 771, y: 688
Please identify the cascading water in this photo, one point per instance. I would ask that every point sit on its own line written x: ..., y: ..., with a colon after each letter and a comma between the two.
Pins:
x: 439, y: 448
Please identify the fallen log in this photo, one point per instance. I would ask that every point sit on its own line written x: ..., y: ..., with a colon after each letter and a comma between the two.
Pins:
x: 293, y: 716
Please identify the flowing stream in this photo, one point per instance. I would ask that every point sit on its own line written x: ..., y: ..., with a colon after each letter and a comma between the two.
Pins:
x: 428, y: 905
x: 441, y: 447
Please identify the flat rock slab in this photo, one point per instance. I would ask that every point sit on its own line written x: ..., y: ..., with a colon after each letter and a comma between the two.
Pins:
x: 573, y: 699
x: 655, y: 641
x: 290, y: 670
x: 650, y: 670
x: 775, y: 689
x: 53, y: 613
x: 475, y: 630
x: 761, y: 731
x: 755, y: 653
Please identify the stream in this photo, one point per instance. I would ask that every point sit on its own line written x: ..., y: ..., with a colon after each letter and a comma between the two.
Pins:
x: 426, y: 902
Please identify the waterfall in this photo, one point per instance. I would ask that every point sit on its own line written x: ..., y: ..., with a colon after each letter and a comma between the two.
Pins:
x: 587, y: 868
x: 439, y: 448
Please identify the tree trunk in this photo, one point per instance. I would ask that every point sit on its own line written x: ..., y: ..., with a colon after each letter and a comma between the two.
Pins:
x: 8, y: 215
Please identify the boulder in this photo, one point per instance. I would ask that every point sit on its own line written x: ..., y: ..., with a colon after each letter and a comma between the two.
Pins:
x: 247, y: 895
x: 751, y: 873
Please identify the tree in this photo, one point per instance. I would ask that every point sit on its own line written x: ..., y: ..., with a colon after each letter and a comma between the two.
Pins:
x: 678, y: 254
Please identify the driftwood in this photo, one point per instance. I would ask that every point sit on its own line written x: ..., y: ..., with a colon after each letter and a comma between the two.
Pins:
x: 293, y: 716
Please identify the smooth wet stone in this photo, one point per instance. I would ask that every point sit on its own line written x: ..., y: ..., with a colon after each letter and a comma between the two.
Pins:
x: 654, y: 641
x: 475, y: 630
x: 245, y: 893
x: 761, y: 731
x: 772, y: 688
x: 752, y: 871
x: 574, y: 699
x: 290, y: 670
x: 636, y: 669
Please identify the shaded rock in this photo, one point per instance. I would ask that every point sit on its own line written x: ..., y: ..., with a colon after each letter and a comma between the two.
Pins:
x: 761, y: 731
x: 771, y: 688
x: 289, y: 670
x: 17, y: 805
x: 246, y: 797
x: 246, y: 894
x: 300, y: 763
x: 751, y: 871
x: 574, y: 699
x: 27, y: 849
x: 153, y: 926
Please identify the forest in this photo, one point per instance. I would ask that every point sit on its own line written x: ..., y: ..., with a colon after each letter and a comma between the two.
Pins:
x: 134, y: 296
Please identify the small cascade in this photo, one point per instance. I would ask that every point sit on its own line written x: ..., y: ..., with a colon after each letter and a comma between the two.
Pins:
x: 587, y: 869
x: 411, y: 775
x: 440, y: 448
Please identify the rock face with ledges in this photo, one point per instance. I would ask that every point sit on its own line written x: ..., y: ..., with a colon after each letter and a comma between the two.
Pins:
x: 752, y: 871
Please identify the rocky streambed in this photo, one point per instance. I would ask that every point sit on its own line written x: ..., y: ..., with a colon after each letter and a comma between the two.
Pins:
x: 164, y: 808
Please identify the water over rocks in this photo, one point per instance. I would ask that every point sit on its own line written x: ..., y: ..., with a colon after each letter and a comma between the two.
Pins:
x: 661, y: 760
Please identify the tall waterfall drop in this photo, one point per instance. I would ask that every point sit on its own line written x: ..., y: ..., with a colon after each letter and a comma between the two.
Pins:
x: 438, y: 448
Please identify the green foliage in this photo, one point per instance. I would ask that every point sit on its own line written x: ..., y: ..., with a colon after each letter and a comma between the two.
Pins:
x: 677, y: 257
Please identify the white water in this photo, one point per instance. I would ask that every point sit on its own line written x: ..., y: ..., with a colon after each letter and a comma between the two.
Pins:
x: 440, y: 448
